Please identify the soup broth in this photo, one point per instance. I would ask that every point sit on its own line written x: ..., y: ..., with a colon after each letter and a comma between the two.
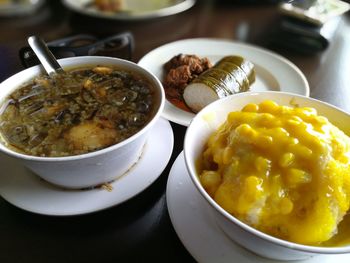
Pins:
x: 76, y: 112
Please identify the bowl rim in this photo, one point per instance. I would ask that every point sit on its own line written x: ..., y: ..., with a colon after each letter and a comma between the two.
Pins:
x: 81, y: 61
x: 257, y: 233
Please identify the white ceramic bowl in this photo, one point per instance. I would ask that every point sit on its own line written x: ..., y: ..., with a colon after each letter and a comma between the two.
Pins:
x: 208, y: 120
x: 98, y: 167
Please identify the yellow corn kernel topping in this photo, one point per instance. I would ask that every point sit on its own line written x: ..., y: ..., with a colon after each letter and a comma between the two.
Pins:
x: 251, y: 107
x: 286, y: 159
x: 283, y: 170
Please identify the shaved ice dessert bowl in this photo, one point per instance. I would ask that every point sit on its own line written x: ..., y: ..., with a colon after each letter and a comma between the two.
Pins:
x: 206, y: 134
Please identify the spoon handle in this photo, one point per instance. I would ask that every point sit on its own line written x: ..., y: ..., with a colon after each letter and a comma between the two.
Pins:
x: 45, y: 56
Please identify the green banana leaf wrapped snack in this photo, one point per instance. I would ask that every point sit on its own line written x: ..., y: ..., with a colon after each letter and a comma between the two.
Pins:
x: 230, y: 75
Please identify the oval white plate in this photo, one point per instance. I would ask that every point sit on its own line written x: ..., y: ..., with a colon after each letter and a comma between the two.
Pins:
x: 25, y: 190
x: 139, y: 9
x: 198, y: 231
x: 273, y: 72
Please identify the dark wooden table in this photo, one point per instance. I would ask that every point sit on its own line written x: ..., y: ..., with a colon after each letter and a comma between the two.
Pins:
x: 140, y: 229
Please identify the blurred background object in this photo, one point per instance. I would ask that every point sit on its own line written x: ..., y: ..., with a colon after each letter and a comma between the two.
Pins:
x: 316, y: 12
x: 119, y: 46
x: 129, y: 9
x: 250, y: 2
x: 307, y: 26
x: 19, y: 7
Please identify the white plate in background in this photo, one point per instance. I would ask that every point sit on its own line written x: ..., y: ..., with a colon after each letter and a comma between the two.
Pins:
x: 273, y: 72
x: 137, y: 9
x: 17, y: 8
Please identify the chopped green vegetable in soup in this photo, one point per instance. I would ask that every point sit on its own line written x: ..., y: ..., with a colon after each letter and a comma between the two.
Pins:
x: 76, y: 112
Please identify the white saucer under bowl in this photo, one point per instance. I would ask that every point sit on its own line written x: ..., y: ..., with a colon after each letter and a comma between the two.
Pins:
x: 26, y: 190
x: 198, y: 231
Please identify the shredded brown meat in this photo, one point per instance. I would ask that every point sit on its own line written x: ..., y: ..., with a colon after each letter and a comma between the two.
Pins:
x: 196, y: 64
x: 178, y: 77
x: 180, y: 71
